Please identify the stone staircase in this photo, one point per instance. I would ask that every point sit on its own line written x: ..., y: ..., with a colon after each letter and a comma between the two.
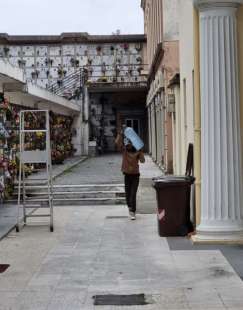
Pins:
x: 85, y: 194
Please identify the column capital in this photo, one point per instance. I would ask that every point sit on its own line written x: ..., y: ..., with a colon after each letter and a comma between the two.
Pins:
x: 212, y: 4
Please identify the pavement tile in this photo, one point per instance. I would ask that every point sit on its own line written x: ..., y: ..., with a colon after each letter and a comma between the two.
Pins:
x: 68, y: 299
x: 33, y: 300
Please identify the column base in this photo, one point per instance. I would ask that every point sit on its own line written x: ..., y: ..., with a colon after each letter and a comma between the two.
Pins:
x: 217, y: 238
x: 219, y: 231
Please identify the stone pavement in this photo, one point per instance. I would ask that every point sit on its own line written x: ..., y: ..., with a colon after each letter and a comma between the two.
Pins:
x: 97, y: 250
x: 8, y: 216
x: 58, y: 170
x: 79, y: 170
x: 106, y: 169
x: 8, y: 213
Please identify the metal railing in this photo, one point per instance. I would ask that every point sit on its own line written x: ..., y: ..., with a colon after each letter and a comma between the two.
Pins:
x: 119, y: 75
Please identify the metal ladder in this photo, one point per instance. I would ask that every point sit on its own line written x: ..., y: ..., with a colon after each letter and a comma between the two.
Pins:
x: 36, y: 156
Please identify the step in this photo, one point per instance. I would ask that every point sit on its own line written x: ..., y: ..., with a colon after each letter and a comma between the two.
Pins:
x: 74, y: 201
x: 30, y: 191
x: 77, y: 185
x: 70, y: 195
x: 73, y: 186
x: 75, y: 193
x: 67, y: 190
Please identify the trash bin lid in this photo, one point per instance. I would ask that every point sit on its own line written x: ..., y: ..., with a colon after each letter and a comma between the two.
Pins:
x: 172, y: 180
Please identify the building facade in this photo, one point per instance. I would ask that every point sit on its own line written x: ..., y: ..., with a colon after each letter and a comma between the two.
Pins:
x: 211, y: 96
x: 203, y: 105
x: 115, y: 77
x: 217, y: 26
x: 161, y: 28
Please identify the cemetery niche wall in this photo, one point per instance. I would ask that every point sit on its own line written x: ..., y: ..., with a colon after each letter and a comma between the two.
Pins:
x: 61, y: 142
x: 49, y: 59
x: 114, y: 71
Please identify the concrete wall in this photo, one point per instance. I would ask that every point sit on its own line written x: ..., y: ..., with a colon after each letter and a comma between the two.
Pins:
x: 185, y: 115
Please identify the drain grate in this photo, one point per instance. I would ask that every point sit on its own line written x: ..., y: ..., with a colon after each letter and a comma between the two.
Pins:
x: 120, y: 300
x: 3, y: 267
x: 116, y: 217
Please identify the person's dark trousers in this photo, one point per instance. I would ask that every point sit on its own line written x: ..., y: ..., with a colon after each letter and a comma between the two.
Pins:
x: 131, y: 187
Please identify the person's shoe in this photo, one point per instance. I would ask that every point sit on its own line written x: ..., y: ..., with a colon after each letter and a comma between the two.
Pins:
x: 132, y: 215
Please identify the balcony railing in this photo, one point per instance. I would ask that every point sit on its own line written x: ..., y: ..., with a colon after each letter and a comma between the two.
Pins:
x: 119, y: 75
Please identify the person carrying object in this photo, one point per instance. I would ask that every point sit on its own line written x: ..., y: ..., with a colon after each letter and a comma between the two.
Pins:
x: 130, y: 168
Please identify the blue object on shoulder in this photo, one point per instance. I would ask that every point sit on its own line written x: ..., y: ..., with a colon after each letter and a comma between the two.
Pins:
x: 132, y: 136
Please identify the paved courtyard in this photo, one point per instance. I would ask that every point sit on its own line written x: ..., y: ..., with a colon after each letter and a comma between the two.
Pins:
x: 97, y: 250
x: 105, y: 169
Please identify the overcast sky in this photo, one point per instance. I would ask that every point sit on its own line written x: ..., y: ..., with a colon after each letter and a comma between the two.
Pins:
x: 56, y: 16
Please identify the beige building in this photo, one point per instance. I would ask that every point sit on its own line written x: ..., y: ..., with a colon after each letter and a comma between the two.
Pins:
x: 161, y: 28
x: 211, y: 83
x: 199, y: 102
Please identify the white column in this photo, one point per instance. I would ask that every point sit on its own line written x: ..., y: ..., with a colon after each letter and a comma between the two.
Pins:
x: 221, y: 200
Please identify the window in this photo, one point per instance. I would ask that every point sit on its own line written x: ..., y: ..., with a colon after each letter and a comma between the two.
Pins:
x: 135, y: 124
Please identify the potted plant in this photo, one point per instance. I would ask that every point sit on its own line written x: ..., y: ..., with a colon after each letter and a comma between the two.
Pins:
x: 6, y: 50
x: 72, y: 61
x: 138, y: 47
x: 117, y: 70
x: 98, y: 49
x: 112, y: 48
x: 60, y: 71
x: 103, y: 68
x: 33, y: 74
x: 20, y: 63
x: 48, y: 61
x: 90, y: 70
x: 37, y: 72
x: 126, y: 46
